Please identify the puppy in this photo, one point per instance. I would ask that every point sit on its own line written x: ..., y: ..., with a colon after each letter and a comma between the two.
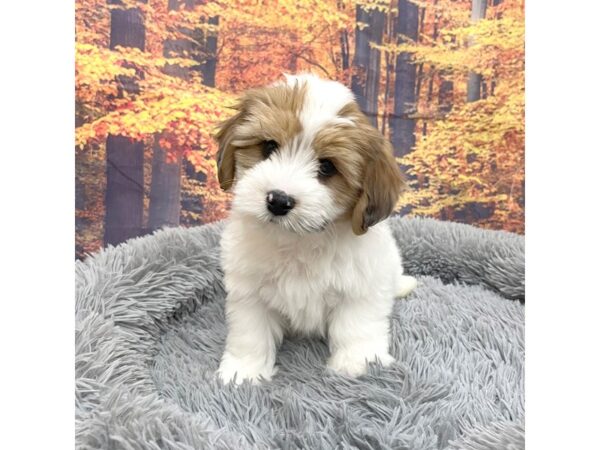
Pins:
x: 307, y: 249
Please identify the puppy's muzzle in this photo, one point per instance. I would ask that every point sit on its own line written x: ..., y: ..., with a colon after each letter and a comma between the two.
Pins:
x: 279, y: 203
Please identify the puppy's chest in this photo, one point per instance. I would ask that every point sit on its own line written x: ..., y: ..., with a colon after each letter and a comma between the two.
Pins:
x: 303, y: 286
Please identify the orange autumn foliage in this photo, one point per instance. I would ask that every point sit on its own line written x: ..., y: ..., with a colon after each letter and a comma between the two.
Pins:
x: 472, y: 154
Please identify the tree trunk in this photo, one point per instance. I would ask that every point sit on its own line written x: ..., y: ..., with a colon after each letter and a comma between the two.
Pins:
x: 475, y: 91
x: 344, y: 46
x: 386, y: 92
x: 377, y: 21
x: 478, y: 8
x: 497, y: 15
x: 209, y: 66
x: 124, y: 157
x: 345, y: 50
x: 420, y: 66
x: 432, y: 70
x: 361, y: 59
x: 390, y: 27
x: 446, y: 94
x: 367, y: 61
x: 165, y: 191
x: 294, y: 52
x: 165, y: 187
x: 402, y: 128
x: 474, y: 87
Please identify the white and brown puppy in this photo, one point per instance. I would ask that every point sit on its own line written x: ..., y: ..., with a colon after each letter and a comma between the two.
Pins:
x: 306, y: 249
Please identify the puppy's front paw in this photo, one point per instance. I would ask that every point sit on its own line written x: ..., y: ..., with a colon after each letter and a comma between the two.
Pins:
x: 354, y: 362
x: 240, y: 369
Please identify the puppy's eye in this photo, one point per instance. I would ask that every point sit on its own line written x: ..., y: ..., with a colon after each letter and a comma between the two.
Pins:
x: 326, y: 168
x: 268, y: 147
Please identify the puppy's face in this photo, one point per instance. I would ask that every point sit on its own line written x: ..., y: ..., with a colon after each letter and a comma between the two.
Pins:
x: 299, y: 154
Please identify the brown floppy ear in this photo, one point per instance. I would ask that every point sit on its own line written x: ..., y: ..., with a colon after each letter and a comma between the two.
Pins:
x: 382, y: 185
x: 225, y: 154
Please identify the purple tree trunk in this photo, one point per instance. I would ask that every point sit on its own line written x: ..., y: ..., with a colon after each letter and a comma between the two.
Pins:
x: 402, y: 127
x: 124, y: 199
x: 367, y: 61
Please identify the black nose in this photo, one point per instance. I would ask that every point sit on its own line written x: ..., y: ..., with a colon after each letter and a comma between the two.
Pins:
x: 279, y: 203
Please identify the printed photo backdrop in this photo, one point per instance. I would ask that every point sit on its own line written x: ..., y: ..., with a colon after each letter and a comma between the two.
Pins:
x: 442, y: 79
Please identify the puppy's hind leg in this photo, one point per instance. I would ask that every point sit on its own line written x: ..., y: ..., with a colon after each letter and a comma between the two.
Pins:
x: 405, y: 284
x: 358, y: 332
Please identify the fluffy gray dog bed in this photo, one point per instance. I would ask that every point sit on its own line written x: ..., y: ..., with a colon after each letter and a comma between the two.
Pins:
x: 150, y: 330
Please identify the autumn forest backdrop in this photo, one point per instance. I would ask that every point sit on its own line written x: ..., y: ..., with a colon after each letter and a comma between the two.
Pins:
x: 442, y: 79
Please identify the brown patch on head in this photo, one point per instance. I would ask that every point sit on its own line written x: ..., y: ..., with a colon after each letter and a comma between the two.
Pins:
x: 342, y: 145
x: 369, y: 181
x: 264, y: 114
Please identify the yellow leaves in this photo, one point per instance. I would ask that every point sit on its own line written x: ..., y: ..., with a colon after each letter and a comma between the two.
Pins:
x: 478, y: 47
x: 266, y: 39
x: 95, y: 65
x: 374, y: 5
x: 287, y: 15
x: 473, y: 155
x: 160, y: 103
x: 187, y: 112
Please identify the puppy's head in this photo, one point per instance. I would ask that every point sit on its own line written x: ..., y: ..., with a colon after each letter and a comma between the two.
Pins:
x: 299, y: 154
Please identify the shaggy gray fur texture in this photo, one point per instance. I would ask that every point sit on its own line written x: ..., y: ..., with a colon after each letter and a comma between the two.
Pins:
x: 150, y: 330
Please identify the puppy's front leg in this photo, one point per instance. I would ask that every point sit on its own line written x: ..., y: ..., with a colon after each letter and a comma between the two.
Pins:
x: 254, y: 333
x: 358, y: 334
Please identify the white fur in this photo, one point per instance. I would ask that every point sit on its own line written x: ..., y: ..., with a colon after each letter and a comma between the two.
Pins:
x: 291, y: 169
x: 323, y: 101
x: 305, y: 272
